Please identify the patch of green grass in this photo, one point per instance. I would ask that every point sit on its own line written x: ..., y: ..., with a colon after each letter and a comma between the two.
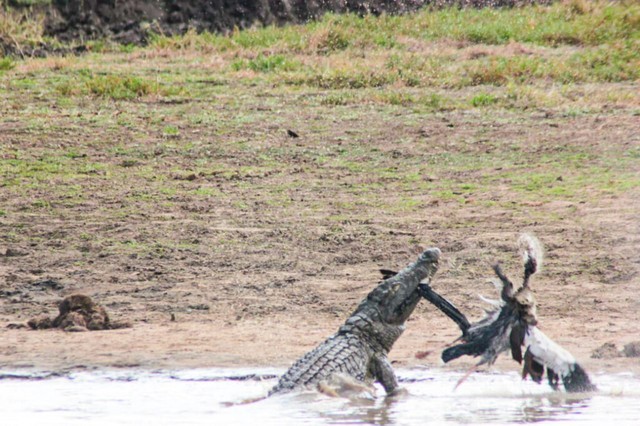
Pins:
x: 395, y: 98
x: 204, y: 118
x: 561, y: 23
x: 127, y: 48
x: 350, y: 79
x: 6, y: 64
x: 573, y: 112
x: 207, y: 192
x: 434, y: 101
x: 170, y: 132
x: 68, y: 88
x: 633, y: 153
x: 536, y: 182
x: 497, y: 70
x: 24, y: 3
x: 24, y: 83
x: 612, y: 63
x: 266, y: 64
x: 41, y: 204
x: 407, y: 204
x: 112, y: 86
x: 120, y: 87
x: 347, y: 52
x: 331, y: 39
x: 447, y: 195
x: 73, y: 153
x: 483, y: 100
x: 334, y: 99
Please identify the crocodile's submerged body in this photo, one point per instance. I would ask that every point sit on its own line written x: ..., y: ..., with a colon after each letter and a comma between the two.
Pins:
x: 359, y: 349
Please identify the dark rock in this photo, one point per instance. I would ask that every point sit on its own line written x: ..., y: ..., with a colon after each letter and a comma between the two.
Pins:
x: 199, y: 307
x: 632, y: 350
x: 77, y: 313
x: 15, y: 326
x: 14, y: 252
x: 606, y: 351
x: 48, y: 284
x: 40, y: 323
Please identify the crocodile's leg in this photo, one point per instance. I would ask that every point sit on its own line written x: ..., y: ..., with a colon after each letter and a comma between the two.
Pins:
x: 383, y: 373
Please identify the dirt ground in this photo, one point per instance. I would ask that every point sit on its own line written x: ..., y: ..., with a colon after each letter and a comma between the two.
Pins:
x: 258, y: 282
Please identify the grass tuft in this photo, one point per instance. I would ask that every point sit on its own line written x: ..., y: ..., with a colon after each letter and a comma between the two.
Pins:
x: 20, y: 28
x: 266, y: 64
x: 114, y: 87
x: 117, y: 87
x: 483, y: 99
x: 6, y: 64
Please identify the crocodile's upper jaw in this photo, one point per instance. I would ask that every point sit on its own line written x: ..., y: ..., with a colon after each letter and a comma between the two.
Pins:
x: 397, y: 297
x: 393, y: 301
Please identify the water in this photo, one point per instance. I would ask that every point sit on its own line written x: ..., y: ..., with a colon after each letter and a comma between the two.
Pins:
x: 194, y: 397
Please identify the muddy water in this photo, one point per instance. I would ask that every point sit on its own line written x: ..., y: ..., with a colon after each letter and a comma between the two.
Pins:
x: 193, y: 397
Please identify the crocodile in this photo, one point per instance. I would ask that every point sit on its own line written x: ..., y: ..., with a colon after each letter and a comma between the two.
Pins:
x: 360, y: 347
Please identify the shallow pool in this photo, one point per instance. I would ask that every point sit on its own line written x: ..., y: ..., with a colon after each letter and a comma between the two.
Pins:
x: 192, y: 397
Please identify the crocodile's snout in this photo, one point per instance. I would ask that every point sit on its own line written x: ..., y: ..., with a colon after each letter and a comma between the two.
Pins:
x: 430, y: 255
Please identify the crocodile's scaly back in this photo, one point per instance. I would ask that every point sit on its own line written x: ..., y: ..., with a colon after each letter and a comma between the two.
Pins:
x: 360, y: 347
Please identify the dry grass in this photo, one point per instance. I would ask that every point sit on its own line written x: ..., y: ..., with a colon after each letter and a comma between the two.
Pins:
x: 20, y: 28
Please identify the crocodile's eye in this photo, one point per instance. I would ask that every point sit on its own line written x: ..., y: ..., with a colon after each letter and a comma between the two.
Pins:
x: 395, y: 287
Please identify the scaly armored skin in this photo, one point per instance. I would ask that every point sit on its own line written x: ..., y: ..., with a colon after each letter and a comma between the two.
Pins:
x: 359, y: 349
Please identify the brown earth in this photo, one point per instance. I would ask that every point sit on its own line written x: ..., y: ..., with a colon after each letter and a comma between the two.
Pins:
x: 257, y: 282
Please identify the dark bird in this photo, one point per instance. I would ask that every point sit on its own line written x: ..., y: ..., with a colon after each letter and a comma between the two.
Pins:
x: 512, y: 325
x: 292, y: 134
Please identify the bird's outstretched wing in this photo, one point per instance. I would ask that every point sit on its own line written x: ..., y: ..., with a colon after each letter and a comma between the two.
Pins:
x: 512, y: 325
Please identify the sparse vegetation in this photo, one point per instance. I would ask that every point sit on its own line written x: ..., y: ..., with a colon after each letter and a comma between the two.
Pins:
x: 265, y: 63
x: 6, y: 64
x: 20, y: 28
x: 393, y: 115
x: 483, y: 99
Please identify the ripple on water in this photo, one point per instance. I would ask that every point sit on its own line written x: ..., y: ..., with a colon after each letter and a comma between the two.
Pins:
x: 133, y: 397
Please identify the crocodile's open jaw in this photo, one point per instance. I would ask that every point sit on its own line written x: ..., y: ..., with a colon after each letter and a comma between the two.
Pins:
x: 396, y: 297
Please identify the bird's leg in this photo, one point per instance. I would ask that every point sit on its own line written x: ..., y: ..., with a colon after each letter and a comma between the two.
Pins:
x: 473, y: 369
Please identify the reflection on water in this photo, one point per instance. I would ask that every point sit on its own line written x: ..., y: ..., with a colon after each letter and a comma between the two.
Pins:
x: 133, y: 397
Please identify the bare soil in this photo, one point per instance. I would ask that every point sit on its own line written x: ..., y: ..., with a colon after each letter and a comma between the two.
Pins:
x: 259, y: 281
